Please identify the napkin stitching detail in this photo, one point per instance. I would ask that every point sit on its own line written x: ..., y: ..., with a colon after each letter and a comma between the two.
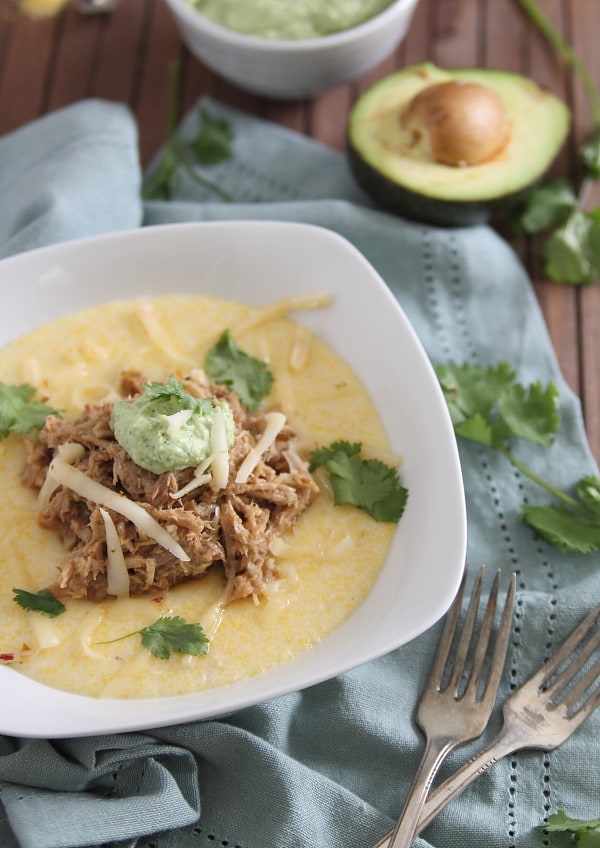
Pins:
x: 429, y: 281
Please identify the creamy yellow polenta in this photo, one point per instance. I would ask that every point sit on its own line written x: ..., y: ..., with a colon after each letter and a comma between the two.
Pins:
x: 327, y: 565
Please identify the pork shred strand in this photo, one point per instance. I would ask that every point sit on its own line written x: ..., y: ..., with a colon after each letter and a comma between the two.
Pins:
x: 232, y: 528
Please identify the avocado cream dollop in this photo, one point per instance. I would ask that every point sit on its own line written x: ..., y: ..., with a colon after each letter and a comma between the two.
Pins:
x: 166, y: 429
x: 282, y: 19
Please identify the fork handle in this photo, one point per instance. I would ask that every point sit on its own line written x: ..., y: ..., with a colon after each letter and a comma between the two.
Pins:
x: 436, y: 749
x: 508, y: 740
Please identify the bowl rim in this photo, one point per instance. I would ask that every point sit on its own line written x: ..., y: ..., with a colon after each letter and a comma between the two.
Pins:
x: 66, y: 712
x: 232, y: 38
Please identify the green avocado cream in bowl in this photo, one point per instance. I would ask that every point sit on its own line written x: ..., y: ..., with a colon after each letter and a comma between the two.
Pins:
x: 166, y: 429
x: 289, y: 19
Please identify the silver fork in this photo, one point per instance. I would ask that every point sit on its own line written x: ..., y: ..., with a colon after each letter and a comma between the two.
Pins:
x: 456, y: 703
x: 541, y: 714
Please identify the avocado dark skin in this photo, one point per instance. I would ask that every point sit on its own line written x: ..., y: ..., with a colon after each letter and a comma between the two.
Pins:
x: 453, y: 148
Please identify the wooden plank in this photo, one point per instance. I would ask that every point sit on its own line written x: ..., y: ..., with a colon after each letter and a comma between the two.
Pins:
x: 583, y: 17
x: 27, y: 69
x: 74, y: 62
x: 117, y: 69
x: 160, y: 46
x: 125, y: 56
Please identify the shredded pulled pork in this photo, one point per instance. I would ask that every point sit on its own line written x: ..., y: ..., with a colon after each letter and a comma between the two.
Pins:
x: 233, y: 527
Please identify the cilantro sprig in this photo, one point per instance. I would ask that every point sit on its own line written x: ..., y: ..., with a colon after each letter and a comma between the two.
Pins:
x: 226, y: 363
x: 571, y: 249
x: 211, y: 144
x: 171, y: 397
x: 368, y: 484
x: 167, y: 635
x: 585, y: 832
x: 43, y: 601
x: 488, y: 406
x: 19, y: 412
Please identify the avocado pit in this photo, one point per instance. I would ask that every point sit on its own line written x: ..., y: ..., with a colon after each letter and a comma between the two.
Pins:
x: 453, y: 148
x: 459, y: 123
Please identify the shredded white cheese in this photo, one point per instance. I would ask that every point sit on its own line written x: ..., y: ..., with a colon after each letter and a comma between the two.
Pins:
x: 70, y: 452
x: 275, y: 422
x: 84, y: 486
x: 219, y: 451
x: 176, y: 421
x: 301, y: 348
x: 279, y: 309
x: 158, y: 334
x: 117, y: 576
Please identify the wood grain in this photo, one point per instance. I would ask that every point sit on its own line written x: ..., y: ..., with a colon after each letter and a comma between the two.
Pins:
x: 125, y: 56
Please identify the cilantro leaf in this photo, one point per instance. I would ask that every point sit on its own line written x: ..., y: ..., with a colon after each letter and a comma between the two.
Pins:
x: 543, y: 207
x: 489, y: 407
x: 42, y: 601
x: 588, y: 492
x: 585, y: 831
x: 174, y: 635
x: 162, y: 181
x: 590, y: 154
x: 366, y: 483
x: 567, y: 530
x: 167, y: 635
x: 18, y: 412
x: 529, y: 413
x: 572, y: 253
x: 248, y: 377
x: 472, y: 390
x: 212, y: 143
x: 321, y: 456
x: 172, y: 397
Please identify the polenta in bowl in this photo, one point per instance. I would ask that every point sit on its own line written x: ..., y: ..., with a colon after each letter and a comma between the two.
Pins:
x: 210, y: 495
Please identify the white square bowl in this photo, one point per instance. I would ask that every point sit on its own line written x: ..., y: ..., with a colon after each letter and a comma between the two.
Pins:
x: 257, y: 263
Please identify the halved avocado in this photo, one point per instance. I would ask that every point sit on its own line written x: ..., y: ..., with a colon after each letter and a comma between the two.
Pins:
x: 453, y: 147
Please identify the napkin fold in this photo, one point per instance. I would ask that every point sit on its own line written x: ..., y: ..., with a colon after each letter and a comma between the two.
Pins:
x: 72, y: 173
x: 329, y: 765
x: 121, y: 781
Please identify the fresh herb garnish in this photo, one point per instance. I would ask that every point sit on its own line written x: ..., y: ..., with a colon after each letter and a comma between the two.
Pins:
x: 213, y: 141
x: 369, y: 484
x: 171, y: 397
x: 19, y: 413
x: 248, y: 377
x: 489, y: 407
x: 42, y: 601
x: 571, y: 252
x: 172, y: 634
x: 585, y: 832
x: 211, y: 144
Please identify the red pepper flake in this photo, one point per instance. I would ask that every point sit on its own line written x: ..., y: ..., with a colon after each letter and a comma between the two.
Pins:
x: 7, y: 657
x: 158, y: 600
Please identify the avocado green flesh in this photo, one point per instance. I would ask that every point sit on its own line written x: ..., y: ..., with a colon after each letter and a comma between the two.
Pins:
x: 398, y: 173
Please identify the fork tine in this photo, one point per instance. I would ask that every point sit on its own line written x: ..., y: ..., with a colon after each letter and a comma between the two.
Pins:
x: 500, y: 645
x: 563, y: 653
x: 486, y: 630
x: 466, y: 636
x: 573, y: 668
x: 575, y: 694
x: 586, y: 709
x: 445, y: 643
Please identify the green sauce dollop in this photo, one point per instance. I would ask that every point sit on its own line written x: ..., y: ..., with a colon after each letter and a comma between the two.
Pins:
x: 289, y: 19
x: 158, y: 442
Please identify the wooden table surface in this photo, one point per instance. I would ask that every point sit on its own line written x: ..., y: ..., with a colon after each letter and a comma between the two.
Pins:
x: 124, y: 55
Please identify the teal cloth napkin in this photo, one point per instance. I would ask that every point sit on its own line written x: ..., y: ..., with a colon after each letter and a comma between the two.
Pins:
x: 328, y: 766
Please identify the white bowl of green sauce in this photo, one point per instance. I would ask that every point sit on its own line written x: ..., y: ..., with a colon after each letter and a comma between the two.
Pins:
x: 291, y: 49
